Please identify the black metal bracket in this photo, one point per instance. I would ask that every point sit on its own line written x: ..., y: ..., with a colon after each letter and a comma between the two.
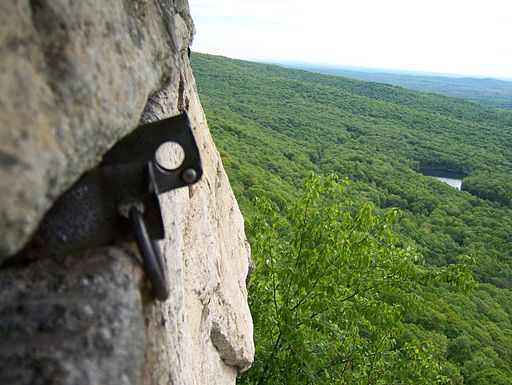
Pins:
x: 117, y: 202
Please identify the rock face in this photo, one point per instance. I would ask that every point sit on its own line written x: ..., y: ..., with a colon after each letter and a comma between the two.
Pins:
x: 74, y: 78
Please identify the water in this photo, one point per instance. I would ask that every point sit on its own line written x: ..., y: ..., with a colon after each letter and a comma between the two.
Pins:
x: 457, y: 183
x: 452, y: 178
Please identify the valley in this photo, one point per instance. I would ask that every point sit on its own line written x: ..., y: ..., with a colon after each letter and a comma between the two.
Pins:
x: 274, y: 125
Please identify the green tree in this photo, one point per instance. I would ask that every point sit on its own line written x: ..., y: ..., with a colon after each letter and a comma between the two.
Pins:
x: 329, y: 292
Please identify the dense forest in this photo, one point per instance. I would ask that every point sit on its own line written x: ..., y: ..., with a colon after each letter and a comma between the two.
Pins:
x: 274, y: 126
x: 491, y: 92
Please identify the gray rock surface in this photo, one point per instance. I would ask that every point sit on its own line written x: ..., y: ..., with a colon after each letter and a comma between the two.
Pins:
x: 73, y: 320
x: 75, y: 76
x: 207, y: 326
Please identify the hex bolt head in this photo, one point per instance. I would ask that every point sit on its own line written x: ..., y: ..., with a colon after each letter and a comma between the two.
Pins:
x: 189, y: 175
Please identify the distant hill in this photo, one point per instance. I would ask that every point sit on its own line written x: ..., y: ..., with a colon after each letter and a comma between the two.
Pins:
x: 487, y: 91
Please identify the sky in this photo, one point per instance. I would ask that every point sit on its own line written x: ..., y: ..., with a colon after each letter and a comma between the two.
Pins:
x: 467, y: 37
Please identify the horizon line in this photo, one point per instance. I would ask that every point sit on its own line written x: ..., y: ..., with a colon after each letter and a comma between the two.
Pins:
x: 381, y: 69
x: 365, y: 69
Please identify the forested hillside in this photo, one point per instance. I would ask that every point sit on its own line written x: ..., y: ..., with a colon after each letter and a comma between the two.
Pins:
x: 491, y: 92
x: 274, y: 125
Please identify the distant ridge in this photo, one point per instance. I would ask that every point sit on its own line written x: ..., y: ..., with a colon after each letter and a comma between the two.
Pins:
x: 304, y: 64
x: 488, y: 91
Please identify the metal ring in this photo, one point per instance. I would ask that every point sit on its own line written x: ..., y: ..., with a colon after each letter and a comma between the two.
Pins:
x: 153, y: 262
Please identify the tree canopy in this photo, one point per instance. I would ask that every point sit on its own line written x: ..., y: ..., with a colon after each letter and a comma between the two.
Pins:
x: 330, y: 290
x: 273, y: 126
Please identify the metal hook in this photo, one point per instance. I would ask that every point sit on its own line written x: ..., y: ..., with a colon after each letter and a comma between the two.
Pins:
x: 152, y: 258
x: 108, y: 203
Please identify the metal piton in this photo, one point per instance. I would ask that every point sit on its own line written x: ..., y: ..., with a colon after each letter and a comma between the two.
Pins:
x: 117, y: 202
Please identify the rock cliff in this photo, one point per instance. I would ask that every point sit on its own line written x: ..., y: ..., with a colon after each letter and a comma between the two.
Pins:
x: 75, y: 77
